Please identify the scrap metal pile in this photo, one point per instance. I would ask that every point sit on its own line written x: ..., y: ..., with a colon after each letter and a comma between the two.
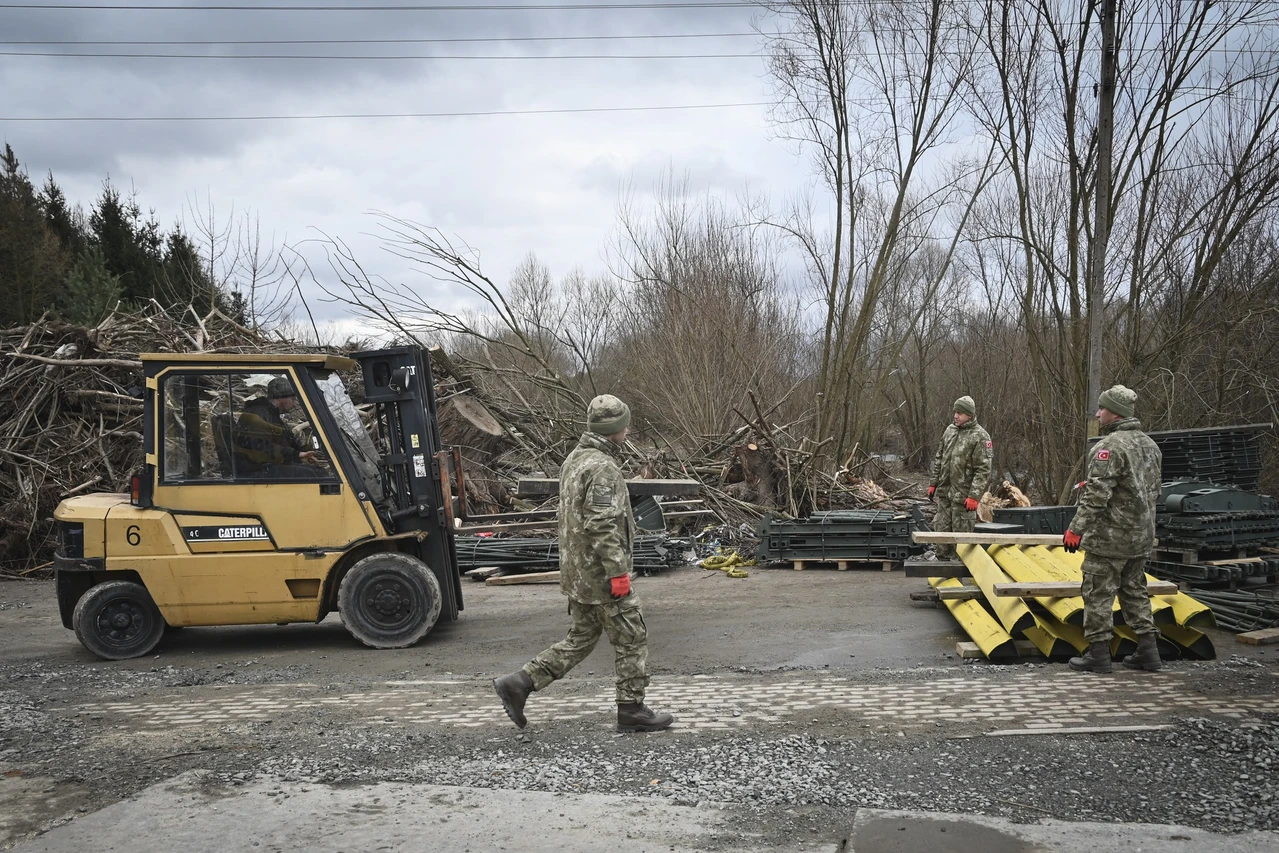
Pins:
x: 1050, y: 627
x: 837, y: 535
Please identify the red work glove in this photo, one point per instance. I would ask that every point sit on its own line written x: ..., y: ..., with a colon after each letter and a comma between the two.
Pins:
x: 620, y: 587
x: 931, y: 490
x: 970, y: 504
x: 1071, y: 540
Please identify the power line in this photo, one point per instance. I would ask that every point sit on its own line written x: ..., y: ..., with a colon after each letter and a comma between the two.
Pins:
x: 319, y: 117
x: 211, y: 42
x: 433, y: 7
x: 383, y: 56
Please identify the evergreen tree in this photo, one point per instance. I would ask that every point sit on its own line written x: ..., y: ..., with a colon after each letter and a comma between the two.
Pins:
x: 32, y: 264
x: 90, y: 291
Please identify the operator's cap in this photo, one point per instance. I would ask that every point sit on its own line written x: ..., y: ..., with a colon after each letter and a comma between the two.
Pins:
x: 1120, y: 400
x: 607, y: 415
x: 966, y: 405
x: 279, y: 388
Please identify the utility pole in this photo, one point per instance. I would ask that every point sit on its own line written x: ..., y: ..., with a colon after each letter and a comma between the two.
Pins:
x: 1101, y: 215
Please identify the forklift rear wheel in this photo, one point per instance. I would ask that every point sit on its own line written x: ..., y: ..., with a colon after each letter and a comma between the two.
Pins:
x: 389, y: 601
x: 118, y: 620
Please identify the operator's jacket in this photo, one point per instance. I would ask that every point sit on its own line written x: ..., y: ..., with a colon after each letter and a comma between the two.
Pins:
x: 262, y: 438
x: 597, y: 532
x: 961, y: 468
x: 1116, y: 514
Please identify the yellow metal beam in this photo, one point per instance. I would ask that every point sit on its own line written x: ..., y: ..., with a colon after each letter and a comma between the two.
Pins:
x: 989, y: 635
x: 1190, y: 613
x: 1057, y: 640
x: 1160, y: 608
x: 1195, y: 645
x: 1013, y: 613
x: 1021, y: 567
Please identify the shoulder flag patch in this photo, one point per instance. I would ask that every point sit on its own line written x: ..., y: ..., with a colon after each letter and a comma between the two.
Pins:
x: 1103, y: 454
x: 989, y: 444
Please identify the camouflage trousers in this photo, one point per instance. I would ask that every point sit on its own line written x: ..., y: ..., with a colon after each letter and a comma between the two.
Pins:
x: 623, y: 621
x: 1103, y: 578
x: 952, y: 517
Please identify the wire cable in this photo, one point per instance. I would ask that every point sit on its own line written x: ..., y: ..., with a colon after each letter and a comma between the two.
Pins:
x: 327, y: 116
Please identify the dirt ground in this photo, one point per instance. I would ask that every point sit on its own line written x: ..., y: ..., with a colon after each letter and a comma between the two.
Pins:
x: 801, y: 697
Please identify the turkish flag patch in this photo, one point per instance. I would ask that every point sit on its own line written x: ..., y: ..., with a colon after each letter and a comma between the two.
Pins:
x: 1103, y: 455
x: 989, y: 444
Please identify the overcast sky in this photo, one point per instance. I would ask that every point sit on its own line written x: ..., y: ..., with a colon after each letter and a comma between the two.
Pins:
x: 505, y: 184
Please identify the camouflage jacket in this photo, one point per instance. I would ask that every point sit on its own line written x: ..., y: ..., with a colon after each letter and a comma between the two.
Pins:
x: 961, y: 468
x: 1116, y: 515
x: 597, y: 532
x: 262, y: 438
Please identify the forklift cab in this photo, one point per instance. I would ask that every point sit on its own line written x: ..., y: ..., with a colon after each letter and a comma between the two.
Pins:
x: 267, y: 496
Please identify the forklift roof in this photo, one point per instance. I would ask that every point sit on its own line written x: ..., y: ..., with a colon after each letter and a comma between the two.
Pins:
x: 329, y: 362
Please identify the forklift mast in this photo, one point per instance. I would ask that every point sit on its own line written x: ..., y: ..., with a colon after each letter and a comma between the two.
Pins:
x: 415, y: 467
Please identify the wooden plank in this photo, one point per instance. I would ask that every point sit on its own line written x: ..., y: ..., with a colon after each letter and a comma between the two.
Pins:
x: 1237, y: 562
x: 1055, y: 589
x: 957, y: 593
x: 936, y: 537
x: 484, y: 572
x: 533, y: 486
x: 968, y: 651
x: 798, y: 565
x: 1264, y: 637
x: 687, y: 512
x: 530, y: 577
x: 1078, y: 730
x: 936, y: 569
x: 1027, y: 649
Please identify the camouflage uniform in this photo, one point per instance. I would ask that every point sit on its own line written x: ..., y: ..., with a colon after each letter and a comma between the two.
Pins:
x: 961, y: 469
x: 596, y: 535
x: 1116, y: 518
x: 265, y: 446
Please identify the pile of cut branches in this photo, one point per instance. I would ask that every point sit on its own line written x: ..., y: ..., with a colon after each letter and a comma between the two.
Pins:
x: 69, y: 423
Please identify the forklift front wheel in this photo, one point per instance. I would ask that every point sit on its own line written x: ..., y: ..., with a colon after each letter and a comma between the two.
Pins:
x: 389, y: 600
x: 118, y: 620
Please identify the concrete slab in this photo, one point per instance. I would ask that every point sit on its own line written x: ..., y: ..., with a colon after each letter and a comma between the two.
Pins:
x: 272, y: 817
x: 883, y: 831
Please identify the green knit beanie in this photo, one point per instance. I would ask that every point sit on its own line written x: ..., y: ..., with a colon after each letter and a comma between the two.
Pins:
x: 1120, y: 400
x: 966, y: 405
x: 607, y: 415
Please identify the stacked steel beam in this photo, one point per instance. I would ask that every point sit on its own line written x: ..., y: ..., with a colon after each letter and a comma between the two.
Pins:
x: 1242, y: 611
x: 1206, y: 517
x: 652, y: 553
x: 838, y: 535
x: 1230, y: 455
x: 1049, y: 520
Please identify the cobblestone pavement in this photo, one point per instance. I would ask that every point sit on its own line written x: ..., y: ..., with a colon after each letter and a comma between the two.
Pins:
x: 1034, y: 699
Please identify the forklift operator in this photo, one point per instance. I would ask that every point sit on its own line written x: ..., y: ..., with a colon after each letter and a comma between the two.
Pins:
x: 265, y: 446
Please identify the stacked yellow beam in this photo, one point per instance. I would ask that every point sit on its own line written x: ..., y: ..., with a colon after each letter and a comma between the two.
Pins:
x: 1054, y: 629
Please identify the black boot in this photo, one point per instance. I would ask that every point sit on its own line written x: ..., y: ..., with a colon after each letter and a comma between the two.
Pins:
x: 1096, y: 659
x: 513, y: 690
x: 638, y: 717
x: 1147, y: 654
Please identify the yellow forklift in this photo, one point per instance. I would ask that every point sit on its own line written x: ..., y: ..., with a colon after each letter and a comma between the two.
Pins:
x: 266, y: 498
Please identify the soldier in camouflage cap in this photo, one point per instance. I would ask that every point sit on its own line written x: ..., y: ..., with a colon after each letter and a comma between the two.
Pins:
x: 1115, y: 526
x: 596, y: 538
x: 961, y: 473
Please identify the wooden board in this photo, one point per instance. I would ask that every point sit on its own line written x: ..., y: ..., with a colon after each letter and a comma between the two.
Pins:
x: 842, y: 565
x: 957, y: 593
x: 1054, y: 589
x: 531, y: 577
x: 934, y: 537
x: 936, y: 569
x: 1264, y: 637
x: 532, y: 486
x: 968, y: 651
